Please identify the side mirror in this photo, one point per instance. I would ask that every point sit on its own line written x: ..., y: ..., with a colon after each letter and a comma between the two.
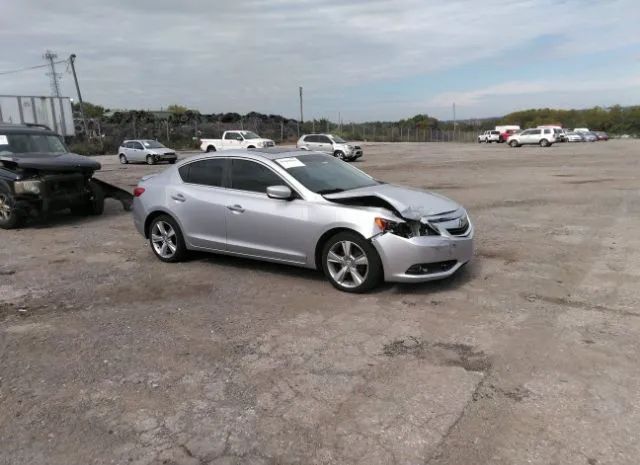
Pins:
x: 279, y: 192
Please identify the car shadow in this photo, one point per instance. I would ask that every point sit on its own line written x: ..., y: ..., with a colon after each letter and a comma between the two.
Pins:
x: 63, y: 218
x: 281, y: 269
x: 469, y: 272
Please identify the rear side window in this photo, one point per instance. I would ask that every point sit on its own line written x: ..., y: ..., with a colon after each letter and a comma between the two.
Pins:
x: 324, y: 140
x: 231, y: 136
x: 248, y: 175
x: 205, y: 172
x: 535, y: 131
x: 547, y: 131
x: 311, y: 139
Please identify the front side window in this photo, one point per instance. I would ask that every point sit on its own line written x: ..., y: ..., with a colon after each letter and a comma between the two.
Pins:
x: 250, y: 135
x: 247, y: 175
x: 311, y: 139
x: 337, y: 140
x: 152, y: 144
x: 324, y: 140
x: 204, y: 172
x: 137, y: 145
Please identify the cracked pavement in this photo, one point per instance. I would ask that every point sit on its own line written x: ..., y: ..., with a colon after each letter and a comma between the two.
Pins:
x: 529, y: 355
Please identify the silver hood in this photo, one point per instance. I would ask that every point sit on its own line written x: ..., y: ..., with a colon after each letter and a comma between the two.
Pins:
x: 411, y: 204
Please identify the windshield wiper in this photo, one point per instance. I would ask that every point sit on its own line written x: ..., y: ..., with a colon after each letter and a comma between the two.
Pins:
x: 330, y: 191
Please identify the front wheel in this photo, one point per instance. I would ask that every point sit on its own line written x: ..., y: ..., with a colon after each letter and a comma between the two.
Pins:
x: 10, y: 216
x: 513, y: 143
x: 351, y: 263
x: 123, y: 159
x: 151, y: 160
x: 166, y: 239
x: 339, y: 154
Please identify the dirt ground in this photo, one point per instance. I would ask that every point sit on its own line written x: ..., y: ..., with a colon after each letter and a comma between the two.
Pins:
x: 528, y: 356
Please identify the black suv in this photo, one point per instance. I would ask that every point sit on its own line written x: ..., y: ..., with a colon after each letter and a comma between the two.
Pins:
x: 39, y: 175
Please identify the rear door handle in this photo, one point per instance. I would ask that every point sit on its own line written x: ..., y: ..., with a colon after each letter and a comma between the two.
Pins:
x: 236, y: 208
x: 179, y: 197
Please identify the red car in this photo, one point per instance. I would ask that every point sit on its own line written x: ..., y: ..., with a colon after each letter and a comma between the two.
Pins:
x: 601, y: 135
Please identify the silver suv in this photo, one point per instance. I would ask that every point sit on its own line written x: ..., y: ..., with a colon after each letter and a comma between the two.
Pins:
x: 328, y: 143
x: 544, y: 137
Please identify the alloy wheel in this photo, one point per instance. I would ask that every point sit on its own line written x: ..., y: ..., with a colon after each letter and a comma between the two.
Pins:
x: 164, y: 239
x: 5, y: 207
x: 347, y: 264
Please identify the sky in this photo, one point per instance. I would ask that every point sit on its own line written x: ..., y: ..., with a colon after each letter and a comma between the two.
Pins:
x: 361, y: 59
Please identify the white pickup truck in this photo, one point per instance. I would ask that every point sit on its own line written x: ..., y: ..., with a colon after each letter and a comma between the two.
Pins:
x: 235, y: 140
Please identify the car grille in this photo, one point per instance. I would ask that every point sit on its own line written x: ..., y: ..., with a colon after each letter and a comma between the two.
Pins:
x: 455, y: 223
x: 60, y: 185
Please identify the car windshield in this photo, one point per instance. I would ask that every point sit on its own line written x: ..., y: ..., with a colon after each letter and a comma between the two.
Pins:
x: 323, y: 174
x: 152, y: 144
x: 31, y: 143
x: 250, y: 135
x: 338, y: 140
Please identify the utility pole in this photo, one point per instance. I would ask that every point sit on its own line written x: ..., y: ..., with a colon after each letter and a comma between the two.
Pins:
x: 55, y: 77
x: 454, y: 120
x: 72, y: 59
x: 301, y: 106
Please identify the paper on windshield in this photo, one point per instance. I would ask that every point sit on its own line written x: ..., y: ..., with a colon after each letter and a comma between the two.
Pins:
x: 4, y: 140
x: 291, y: 162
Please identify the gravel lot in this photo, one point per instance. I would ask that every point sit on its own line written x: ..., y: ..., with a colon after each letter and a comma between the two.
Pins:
x: 529, y: 355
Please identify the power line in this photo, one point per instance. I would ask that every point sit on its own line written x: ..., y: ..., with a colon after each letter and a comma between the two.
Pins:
x: 13, y: 71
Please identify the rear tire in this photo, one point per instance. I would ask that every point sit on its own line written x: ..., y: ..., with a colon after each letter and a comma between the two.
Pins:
x: 544, y: 143
x: 211, y: 148
x: 10, y: 216
x: 123, y: 159
x: 166, y: 240
x: 350, y: 263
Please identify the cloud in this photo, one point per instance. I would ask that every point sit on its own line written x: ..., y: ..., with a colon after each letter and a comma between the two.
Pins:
x: 253, y: 55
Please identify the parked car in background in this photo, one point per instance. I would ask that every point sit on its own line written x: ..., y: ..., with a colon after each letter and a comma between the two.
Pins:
x: 581, y: 130
x: 38, y: 175
x: 306, y: 209
x: 235, y: 140
x: 489, y: 136
x: 544, y: 137
x: 506, y: 131
x: 589, y: 136
x: 145, y: 151
x: 602, y: 135
x: 331, y: 144
x: 574, y: 137
x: 561, y: 135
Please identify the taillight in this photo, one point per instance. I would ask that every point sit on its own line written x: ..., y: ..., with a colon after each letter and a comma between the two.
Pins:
x: 138, y: 191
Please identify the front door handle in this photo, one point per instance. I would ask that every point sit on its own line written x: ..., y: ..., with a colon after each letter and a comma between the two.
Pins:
x: 179, y: 197
x: 236, y: 208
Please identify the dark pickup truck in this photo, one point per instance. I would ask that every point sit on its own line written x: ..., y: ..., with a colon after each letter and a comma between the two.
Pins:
x: 39, y: 175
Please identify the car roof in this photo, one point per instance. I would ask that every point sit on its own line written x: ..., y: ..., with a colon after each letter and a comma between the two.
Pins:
x: 268, y: 153
x: 8, y: 128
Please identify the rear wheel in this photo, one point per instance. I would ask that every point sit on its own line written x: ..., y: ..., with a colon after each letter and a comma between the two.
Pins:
x: 211, y: 148
x: 544, y: 143
x: 10, y: 216
x: 123, y: 159
x: 351, y: 263
x: 166, y: 239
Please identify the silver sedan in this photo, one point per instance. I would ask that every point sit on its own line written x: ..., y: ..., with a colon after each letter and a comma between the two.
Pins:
x: 306, y: 209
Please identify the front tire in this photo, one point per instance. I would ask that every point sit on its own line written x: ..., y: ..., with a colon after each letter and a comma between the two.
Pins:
x: 10, y: 216
x: 350, y: 263
x: 166, y: 239
x: 339, y: 154
x: 123, y: 159
x: 151, y: 160
x: 513, y: 143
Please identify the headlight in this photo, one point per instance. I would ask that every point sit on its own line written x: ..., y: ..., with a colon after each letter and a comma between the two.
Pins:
x: 27, y: 187
x: 399, y: 229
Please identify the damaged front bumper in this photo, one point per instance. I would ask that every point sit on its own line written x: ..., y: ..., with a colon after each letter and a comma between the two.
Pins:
x: 423, y: 258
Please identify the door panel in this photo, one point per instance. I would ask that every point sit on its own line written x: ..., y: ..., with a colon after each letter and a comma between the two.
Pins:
x: 202, y: 212
x: 269, y: 228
